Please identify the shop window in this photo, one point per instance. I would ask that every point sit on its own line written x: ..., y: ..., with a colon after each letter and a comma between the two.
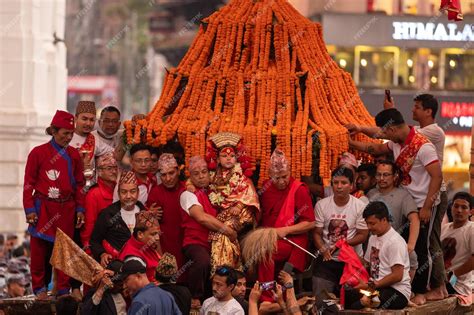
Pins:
x: 344, y: 57
x: 376, y: 67
x: 458, y: 70
x: 407, y: 74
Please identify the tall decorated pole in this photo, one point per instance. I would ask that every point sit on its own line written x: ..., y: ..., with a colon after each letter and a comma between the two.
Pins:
x: 259, y: 69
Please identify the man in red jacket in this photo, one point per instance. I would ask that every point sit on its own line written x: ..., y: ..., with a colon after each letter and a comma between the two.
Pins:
x: 52, y: 198
x: 198, y: 218
x: 145, y: 242
x: 166, y: 195
x: 100, y: 195
x: 286, y: 206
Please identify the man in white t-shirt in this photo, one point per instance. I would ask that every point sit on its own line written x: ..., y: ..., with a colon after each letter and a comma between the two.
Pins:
x: 222, y: 302
x: 387, y: 256
x: 422, y: 178
x: 337, y: 217
x: 458, y: 246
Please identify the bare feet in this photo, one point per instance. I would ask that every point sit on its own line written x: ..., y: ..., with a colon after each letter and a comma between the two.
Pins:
x: 43, y: 296
x: 411, y: 304
x: 419, y: 299
x: 195, y: 303
x: 435, y: 294
x: 76, y: 294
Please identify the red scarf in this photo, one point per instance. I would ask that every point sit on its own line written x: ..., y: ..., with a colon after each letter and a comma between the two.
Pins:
x: 407, y: 156
x: 286, y: 217
x: 88, y: 145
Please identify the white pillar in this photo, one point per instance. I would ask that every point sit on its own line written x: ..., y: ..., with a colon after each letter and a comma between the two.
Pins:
x: 32, y: 86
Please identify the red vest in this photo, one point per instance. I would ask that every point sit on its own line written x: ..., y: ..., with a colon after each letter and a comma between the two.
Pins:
x: 195, y: 233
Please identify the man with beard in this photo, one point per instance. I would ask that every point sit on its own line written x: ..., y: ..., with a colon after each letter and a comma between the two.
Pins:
x: 52, y: 198
x: 107, y: 298
x: 115, y: 224
x: 337, y: 217
x: 198, y: 218
x: 222, y: 302
x: 166, y: 196
x: 145, y: 242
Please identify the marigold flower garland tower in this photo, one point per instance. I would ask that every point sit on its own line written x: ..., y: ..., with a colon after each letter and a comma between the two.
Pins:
x: 260, y: 69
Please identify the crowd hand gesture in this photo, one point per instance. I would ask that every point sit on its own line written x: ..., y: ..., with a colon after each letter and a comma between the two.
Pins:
x: 327, y: 253
x: 425, y: 215
x: 102, y: 278
x: 80, y: 220
x: 353, y: 129
x: 230, y: 233
x: 388, y: 103
x: 281, y: 232
x: 156, y: 208
x: 278, y: 295
x: 105, y: 258
x: 285, y: 278
x: 235, y: 210
x: 32, y: 218
x: 255, y: 293
x: 190, y: 187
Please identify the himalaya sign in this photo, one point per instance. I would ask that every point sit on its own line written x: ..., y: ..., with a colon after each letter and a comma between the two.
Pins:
x: 432, y: 31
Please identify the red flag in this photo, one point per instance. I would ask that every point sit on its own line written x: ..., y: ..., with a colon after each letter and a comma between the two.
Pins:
x: 453, y: 7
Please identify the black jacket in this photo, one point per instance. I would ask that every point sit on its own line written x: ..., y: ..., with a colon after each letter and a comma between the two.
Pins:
x: 110, y: 227
x: 181, y: 294
x: 105, y: 307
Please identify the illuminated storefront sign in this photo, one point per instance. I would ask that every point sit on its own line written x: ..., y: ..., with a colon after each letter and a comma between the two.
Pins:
x: 460, y: 113
x: 432, y: 31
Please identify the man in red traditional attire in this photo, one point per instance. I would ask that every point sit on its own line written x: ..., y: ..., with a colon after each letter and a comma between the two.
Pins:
x: 52, y: 198
x: 100, y: 195
x: 198, y: 218
x: 115, y: 224
x: 286, y: 206
x: 166, y: 196
x: 140, y: 160
x: 145, y: 242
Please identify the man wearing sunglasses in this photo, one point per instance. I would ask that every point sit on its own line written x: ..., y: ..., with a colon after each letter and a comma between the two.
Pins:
x: 222, y: 302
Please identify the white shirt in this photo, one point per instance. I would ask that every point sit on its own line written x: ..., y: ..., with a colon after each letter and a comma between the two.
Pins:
x: 340, y: 222
x: 464, y: 237
x: 187, y: 200
x: 129, y: 217
x: 420, y: 179
x: 383, y: 253
x: 112, y: 142
x: 231, y: 307
x: 436, y: 135
x: 100, y: 147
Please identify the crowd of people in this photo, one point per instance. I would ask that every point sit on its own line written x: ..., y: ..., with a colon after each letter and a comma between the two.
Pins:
x: 169, y: 243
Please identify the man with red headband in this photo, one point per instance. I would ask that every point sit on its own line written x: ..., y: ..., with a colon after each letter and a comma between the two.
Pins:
x: 52, y: 198
x: 166, y: 197
x: 286, y: 206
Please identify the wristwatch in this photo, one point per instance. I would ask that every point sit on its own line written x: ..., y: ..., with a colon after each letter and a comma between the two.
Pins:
x: 288, y: 285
